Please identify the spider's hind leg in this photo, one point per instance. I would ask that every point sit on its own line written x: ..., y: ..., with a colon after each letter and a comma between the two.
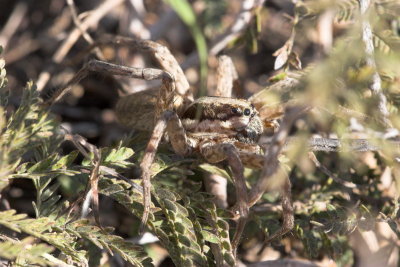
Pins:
x: 52, y: 95
x: 214, y: 153
x: 256, y: 161
x: 251, y: 157
x: 287, y: 211
x: 160, y: 52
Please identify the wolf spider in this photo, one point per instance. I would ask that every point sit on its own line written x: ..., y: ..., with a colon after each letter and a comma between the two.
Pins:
x: 218, y: 128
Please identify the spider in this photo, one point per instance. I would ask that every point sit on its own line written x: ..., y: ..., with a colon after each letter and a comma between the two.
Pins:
x: 215, y: 128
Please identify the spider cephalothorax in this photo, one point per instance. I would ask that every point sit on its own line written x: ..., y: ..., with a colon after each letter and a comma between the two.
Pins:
x: 236, y: 118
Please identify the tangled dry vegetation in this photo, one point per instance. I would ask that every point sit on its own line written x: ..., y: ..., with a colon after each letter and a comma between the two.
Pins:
x: 70, y: 187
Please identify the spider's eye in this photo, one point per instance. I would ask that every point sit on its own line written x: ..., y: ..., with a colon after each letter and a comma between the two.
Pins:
x: 235, y: 110
x: 247, y: 112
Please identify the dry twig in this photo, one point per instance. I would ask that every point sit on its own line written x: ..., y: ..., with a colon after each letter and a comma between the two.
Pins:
x: 85, y: 148
x: 13, y: 23
x: 62, y: 51
x: 376, y: 83
x: 241, y: 21
x: 78, y: 24
x: 136, y: 25
x: 325, y: 170
x: 226, y: 77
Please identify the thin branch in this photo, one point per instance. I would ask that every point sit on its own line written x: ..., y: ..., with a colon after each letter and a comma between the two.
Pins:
x: 226, y: 76
x: 241, y: 22
x: 376, y: 83
x: 62, y: 51
x: 325, y: 170
x: 94, y: 181
x: 21, y: 50
x: 78, y: 24
x: 92, y: 194
x: 136, y: 24
x: 341, y: 145
x: 91, y: 20
x: 13, y: 22
x: 337, y: 145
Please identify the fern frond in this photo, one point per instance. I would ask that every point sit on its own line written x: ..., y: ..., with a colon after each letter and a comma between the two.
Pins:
x: 179, y: 227
x: 25, y: 252
x: 345, y: 9
x: 66, y: 238
x: 113, y: 157
x: 45, y: 229
x: 103, y: 239
x: 388, y: 8
x: 214, y: 228
x: 27, y: 133
x: 188, y: 230
x: 386, y: 42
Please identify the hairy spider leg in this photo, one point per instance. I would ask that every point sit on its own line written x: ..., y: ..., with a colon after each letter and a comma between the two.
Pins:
x: 255, y: 160
x: 159, y: 52
x: 215, y: 153
x: 164, y: 107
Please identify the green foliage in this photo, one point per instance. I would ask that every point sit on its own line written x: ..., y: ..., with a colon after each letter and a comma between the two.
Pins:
x: 386, y: 41
x: 328, y: 210
x: 183, y: 228
x: 187, y: 15
x: 104, y: 239
x: 185, y: 219
x: 65, y: 238
x: 344, y: 9
x: 45, y: 229
x: 29, y: 133
x: 24, y: 252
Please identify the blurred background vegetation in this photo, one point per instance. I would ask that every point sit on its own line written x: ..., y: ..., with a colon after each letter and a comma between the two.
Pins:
x: 339, y: 57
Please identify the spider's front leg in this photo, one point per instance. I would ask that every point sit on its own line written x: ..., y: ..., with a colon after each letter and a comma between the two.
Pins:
x: 169, y: 121
x: 215, y: 153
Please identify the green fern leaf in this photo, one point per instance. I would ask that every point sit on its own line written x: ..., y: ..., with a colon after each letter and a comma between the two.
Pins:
x: 25, y: 251
x: 105, y: 240
x: 44, y: 229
